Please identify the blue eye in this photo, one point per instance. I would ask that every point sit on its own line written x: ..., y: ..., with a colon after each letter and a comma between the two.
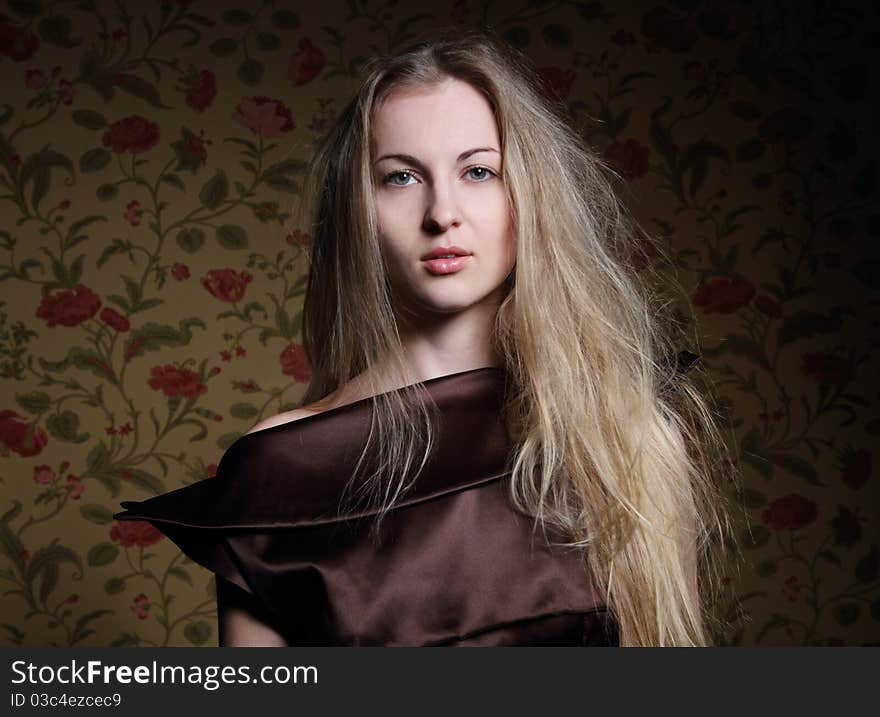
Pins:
x: 398, y: 173
x: 488, y: 172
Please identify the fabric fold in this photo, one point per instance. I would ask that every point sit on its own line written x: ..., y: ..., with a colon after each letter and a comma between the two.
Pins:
x: 294, y: 474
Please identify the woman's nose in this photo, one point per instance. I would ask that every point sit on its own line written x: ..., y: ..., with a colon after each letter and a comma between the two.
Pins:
x: 442, y: 211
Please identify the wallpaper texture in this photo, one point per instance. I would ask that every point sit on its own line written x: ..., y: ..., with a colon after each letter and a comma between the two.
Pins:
x: 152, y: 284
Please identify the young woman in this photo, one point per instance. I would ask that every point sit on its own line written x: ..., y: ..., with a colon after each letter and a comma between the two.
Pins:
x: 485, y: 362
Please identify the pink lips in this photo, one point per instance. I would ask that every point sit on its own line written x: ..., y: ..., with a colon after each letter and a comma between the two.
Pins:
x: 446, y: 266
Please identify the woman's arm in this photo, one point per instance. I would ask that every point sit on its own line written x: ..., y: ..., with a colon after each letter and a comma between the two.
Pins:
x: 241, y: 620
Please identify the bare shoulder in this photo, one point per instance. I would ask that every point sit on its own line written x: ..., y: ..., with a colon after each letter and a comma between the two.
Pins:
x: 287, y: 417
x: 337, y: 398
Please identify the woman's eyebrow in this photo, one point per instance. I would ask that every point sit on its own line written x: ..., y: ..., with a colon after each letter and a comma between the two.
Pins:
x: 412, y: 160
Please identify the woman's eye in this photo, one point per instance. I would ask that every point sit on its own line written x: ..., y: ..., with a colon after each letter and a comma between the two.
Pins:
x: 485, y: 172
x: 391, y: 176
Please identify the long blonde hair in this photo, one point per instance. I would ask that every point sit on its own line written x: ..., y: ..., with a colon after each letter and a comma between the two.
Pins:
x: 612, y: 447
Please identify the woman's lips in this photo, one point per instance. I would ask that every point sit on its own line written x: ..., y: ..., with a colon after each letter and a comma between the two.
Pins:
x: 446, y: 266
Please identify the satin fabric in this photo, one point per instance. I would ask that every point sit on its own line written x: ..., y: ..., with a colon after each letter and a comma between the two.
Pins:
x: 455, y: 564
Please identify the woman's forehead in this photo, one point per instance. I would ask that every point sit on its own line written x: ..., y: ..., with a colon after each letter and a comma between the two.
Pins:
x: 453, y: 116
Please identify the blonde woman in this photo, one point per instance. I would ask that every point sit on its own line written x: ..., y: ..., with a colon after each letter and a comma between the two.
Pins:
x: 494, y: 447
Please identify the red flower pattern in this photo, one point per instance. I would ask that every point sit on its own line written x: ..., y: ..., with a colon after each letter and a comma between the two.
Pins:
x: 180, y: 271
x: 175, y: 381
x: 135, y: 534
x: 17, y: 43
x: 75, y: 486
x: 227, y: 284
x: 115, y: 320
x: 133, y: 134
x: 264, y: 116
x: 133, y: 212
x: 20, y: 437
x: 306, y: 63
x: 43, y: 474
x: 724, y: 295
x: 294, y: 363
x: 629, y: 159
x: 202, y: 90
x: 140, y: 606
x: 69, y: 308
x: 791, y: 512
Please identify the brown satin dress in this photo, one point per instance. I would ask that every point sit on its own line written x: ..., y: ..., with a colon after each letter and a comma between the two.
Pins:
x: 456, y: 565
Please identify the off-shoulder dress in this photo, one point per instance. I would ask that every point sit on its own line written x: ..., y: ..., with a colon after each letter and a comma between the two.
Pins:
x: 455, y: 565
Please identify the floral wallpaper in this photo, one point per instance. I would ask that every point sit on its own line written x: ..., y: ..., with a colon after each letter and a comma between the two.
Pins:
x: 151, y: 280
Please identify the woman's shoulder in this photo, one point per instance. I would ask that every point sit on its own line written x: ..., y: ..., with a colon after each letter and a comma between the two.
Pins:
x: 286, y: 417
x: 333, y: 400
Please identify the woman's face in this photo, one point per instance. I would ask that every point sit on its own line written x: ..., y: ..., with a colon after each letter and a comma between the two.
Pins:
x: 437, y: 177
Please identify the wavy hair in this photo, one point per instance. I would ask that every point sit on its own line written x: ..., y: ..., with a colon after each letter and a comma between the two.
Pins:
x: 616, y: 453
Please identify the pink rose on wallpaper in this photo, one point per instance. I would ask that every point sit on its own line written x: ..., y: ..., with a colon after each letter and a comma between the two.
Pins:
x: 175, y: 381
x: 180, y: 271
x: 724, y: 295
x: 69, y: 308
x: 629, y: 159
x: 263, y: 115
x: 16, y: 42
x: 43, y: 474
x: 75, y: 486
x: 140, y: 606
x: 294, y: 363
x: 133, y: 134
x: 21, y: 437
x: 195, y: 147
x: 133, y: 212
x: 227, y: 284
x: 135, y: 533
x: 201, y: 90
x: 792, y: 512
x: 306, y: 63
